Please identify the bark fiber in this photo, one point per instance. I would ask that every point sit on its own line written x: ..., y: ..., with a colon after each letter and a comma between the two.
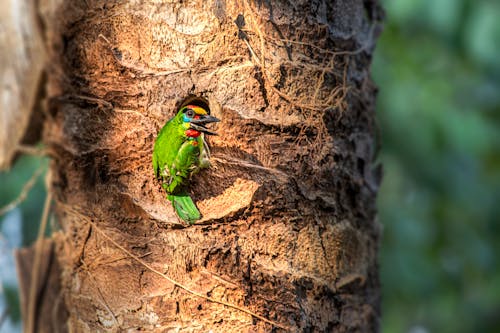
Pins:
x: 289, y: 227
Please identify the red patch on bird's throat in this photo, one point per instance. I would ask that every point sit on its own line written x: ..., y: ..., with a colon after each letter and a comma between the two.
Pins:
x: 192, y: 133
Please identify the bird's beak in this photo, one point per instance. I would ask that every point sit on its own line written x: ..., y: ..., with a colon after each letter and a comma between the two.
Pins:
x: 199, y: 124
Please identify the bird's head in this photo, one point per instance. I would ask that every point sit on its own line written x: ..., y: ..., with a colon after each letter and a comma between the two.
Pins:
x: 194, y: 120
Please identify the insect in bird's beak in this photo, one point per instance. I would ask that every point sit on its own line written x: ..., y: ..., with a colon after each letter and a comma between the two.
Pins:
x: 200, y: 122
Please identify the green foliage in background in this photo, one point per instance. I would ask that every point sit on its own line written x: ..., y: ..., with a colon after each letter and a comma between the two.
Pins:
x: 437, y: 64
x: 438, y: 68
x: 18, y: 227
x: 12, y: 186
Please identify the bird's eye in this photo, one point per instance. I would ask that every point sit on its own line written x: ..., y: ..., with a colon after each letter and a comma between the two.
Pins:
x: 190, y: 113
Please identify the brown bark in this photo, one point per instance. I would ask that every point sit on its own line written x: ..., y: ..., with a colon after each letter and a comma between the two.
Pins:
x: 288, y: 230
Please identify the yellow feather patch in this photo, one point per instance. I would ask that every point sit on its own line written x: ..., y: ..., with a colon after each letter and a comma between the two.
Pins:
x: 197, y: 109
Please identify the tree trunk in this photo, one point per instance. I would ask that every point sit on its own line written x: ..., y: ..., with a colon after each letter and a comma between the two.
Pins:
x: 288, y: 240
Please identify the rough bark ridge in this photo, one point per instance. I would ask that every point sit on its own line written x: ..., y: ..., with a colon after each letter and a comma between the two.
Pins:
x: 289, y: 228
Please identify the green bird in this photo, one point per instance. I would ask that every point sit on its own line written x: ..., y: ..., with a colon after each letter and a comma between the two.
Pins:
x: 179, y: 152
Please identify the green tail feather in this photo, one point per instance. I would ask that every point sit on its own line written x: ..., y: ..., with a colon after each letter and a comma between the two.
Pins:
x: 185, y: 208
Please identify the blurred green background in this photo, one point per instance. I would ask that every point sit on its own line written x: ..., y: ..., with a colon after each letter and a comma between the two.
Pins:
x: 18, y: 227
x: 437, y: 65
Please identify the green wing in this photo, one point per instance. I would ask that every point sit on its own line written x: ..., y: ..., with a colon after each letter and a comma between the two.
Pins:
x: 185, y: 162
x: 156, y: 168
x: 165, y: 149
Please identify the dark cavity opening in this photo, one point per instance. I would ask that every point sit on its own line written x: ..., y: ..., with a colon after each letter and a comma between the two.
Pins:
x: 194, y: 100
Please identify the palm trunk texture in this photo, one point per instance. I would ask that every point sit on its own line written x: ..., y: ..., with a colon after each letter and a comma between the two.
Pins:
x: 288, y: 240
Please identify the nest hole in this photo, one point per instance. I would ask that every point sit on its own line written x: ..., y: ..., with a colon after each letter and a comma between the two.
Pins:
x: 194, y: 100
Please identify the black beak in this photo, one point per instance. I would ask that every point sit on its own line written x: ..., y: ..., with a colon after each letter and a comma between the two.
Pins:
x: 199, y: 124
